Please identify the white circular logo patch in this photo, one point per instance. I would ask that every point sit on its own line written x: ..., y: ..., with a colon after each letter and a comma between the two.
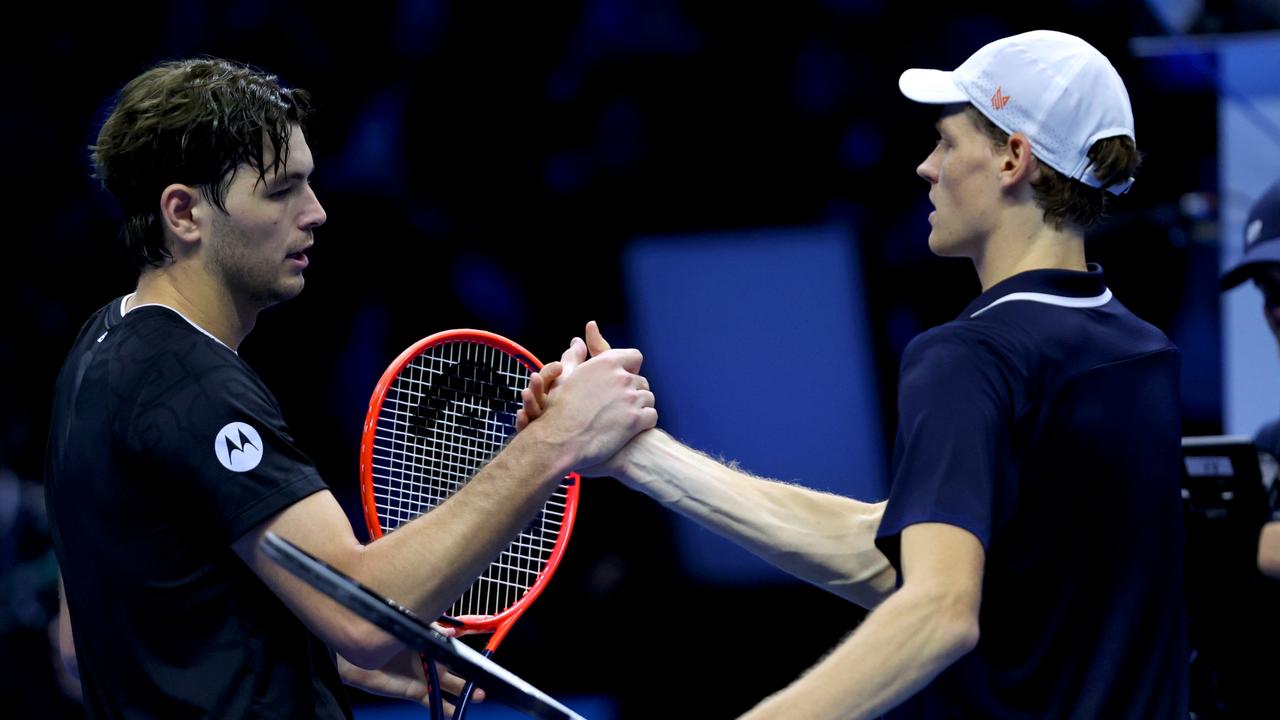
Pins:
x: 238, y: 447
x: 1253, y: 232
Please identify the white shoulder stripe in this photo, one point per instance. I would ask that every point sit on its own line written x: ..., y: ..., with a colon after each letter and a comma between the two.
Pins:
x: 1069, y: 302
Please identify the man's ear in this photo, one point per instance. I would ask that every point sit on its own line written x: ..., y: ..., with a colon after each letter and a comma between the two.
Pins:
x: 179, y: 217
x: 1017, y: 164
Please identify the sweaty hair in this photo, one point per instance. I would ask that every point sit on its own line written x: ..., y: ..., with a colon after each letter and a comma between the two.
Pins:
x: 1067, y: 200
x: 192, y: 122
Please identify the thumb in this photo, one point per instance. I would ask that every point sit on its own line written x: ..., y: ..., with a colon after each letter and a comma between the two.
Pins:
x: 595, y: 341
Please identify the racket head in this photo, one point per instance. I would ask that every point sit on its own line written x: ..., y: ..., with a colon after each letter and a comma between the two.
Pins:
x: 440, y: 410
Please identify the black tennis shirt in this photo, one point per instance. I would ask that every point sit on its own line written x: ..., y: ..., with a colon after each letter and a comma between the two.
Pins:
x: 1045, y: 421
x: 165, y: 448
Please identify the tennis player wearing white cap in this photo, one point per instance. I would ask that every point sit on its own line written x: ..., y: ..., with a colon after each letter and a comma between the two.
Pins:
x: 1028, y: 563
x: 1034, y: 516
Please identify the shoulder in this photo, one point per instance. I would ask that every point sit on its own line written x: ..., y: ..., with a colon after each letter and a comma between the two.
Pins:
x: 1142, y: 335
x: 1051, y: 343
x: 157, y: 340
x: 99, y: 322
x: 1031, y: 327
x: 956, y: 342
x: 174, y: 367
x: 957, y: 362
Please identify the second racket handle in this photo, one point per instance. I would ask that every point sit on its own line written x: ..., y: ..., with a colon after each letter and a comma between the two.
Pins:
x: 436, y: 702
x: 464, y: 699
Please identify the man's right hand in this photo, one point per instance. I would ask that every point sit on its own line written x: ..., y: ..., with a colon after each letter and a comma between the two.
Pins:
x: 598, y: 406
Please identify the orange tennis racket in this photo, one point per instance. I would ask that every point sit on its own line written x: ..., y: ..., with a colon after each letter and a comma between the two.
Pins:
x: 441, y: 410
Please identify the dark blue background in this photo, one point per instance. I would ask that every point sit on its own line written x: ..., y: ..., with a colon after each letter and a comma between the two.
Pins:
x: 487, y: 165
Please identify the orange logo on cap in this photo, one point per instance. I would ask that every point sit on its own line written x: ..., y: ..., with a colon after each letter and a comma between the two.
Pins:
x: 998, y: 101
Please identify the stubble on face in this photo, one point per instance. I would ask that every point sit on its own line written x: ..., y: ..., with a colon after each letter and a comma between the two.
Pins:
x: 256, y: 244
x: 246, y: 267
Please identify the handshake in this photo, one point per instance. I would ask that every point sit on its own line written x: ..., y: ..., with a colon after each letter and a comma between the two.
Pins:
x: 590, y: 405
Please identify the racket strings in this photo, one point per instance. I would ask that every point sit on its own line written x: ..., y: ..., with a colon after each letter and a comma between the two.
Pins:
x: 517, y: 567
x: 450, y: 410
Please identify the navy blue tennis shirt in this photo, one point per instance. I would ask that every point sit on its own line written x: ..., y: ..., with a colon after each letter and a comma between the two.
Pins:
x: 1045, y: 421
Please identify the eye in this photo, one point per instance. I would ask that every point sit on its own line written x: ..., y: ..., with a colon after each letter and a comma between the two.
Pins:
x: 281, y: 193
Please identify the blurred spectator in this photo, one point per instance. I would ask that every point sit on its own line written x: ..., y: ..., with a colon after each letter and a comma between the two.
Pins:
x: 35, y: 684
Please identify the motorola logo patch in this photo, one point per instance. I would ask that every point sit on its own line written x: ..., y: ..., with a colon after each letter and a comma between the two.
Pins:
x: 238, y: 447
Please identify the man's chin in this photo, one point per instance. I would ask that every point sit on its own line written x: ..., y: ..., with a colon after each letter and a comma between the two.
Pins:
x: 939, y: 245
x: 950, y: 246
x: 277, y: 295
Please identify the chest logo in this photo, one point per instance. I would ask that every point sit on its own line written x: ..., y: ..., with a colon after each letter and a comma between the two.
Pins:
x: 238, y: 447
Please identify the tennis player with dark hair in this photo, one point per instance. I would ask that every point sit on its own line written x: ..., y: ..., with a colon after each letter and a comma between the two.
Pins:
x: 169, y: 459
x: 1028, y: 562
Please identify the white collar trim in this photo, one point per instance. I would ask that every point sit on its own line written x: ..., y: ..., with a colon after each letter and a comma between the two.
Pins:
x: 1059, y: 300
x: 124, y: 309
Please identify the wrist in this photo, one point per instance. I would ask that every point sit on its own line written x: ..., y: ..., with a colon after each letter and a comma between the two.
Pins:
x: 554, y: 454
x: 646, y: 463
x: 627, y: 463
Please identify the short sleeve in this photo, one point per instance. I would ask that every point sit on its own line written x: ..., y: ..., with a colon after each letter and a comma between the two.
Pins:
x: 217, y: 443
x: 955, y: 417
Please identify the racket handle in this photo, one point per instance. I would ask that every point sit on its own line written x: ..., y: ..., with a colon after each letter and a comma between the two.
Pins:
x: 436, y: 702
x: 464, y: 699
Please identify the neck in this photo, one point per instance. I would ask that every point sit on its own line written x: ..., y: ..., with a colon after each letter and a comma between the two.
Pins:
x: 202, y: 301
x: 1028, y: 244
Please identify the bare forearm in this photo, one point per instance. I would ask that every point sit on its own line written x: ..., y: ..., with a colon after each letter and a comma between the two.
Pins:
x: 424, y: 565
x: 898, y: 649
x: 825, y: 539
x: 429, y: 562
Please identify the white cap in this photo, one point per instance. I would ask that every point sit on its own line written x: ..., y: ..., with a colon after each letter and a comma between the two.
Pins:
x: 1054, y: 88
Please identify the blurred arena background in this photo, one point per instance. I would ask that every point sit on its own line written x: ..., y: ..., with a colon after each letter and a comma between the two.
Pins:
x: 721, y: 184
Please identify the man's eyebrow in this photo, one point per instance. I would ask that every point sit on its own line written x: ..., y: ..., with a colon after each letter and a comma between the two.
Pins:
x: 291, y: 176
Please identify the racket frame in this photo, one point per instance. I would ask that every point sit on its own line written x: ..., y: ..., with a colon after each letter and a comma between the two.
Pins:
x: 500, y: 624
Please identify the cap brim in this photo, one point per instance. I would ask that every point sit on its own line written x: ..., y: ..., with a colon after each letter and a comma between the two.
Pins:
x: 1263, y: 254
x: 933, y: 87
